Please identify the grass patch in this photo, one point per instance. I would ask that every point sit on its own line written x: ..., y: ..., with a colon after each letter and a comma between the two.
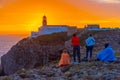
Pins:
x: 117, y: 53
x: 21, y: 71
x: 7, y: 78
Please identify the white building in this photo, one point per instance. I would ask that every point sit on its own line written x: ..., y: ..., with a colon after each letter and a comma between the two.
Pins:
x: 49, y: 29
x: 92, y: 27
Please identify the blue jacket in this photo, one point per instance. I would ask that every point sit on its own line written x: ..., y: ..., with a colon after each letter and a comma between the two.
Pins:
x: 90, y: 41
x: 106, y: 55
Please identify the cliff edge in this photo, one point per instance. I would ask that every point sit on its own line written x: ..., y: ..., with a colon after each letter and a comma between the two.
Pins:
x: 29, y: 53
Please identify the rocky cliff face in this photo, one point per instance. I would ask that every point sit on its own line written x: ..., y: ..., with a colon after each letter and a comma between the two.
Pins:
x: 29, y: 53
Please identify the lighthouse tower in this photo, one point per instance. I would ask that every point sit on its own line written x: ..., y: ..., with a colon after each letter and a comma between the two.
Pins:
x: 48, y: 29
x: 44, y: 23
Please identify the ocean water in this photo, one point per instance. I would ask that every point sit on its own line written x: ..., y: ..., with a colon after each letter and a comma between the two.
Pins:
x: 7, y: 41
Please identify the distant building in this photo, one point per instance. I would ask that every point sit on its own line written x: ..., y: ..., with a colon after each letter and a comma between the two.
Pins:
x: 96, y: 27
x: 49, y: 29
x: 92, y: 27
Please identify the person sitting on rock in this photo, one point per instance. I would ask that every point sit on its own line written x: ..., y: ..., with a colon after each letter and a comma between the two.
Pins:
x: 107, y: 54
x: 65, y: 59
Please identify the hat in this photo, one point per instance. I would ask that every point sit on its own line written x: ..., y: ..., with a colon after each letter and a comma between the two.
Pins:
x: 106, y: 45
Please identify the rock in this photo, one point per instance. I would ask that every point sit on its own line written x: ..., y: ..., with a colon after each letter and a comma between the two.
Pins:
x: 108, y: 76
x: 6, y: 78
x: 75, y: 76
x: 0, y: 70
x: 73, y: 72
x: 30, y: 53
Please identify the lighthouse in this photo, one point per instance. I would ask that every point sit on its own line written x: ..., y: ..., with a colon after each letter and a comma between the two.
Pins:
x: 49, y: 29
x: 44, y: 23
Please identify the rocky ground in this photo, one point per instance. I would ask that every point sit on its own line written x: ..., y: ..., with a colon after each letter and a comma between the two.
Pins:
x: 94, y: 70
x: 28, y: 55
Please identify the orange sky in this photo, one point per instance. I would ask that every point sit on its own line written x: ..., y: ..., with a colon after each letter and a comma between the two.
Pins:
x: 23, y: 16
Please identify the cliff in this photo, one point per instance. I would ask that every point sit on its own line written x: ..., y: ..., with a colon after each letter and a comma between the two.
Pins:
x: 29, y: 53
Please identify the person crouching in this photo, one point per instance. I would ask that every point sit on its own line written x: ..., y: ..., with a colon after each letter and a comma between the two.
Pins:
x: 65, y: 59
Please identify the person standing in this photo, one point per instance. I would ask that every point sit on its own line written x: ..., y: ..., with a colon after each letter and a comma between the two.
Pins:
x: 76, y: 47
x: 90, y: 42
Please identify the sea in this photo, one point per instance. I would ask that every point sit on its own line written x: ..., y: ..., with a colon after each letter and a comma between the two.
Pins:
x: 7, y: 41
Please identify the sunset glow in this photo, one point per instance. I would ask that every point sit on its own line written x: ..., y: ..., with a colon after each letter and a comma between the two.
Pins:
x: 109, y: 1
x: 24, y: 16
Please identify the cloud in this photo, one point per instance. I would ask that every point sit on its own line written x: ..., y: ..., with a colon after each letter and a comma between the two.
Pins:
x: 3, y: 2
x: 108, y: 1
x: 6, y: 1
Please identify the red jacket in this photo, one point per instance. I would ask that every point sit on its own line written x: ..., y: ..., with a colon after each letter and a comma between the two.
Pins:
x: 75, y: 41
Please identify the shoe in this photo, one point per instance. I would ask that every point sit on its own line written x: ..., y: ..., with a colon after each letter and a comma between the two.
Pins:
x: 89, y: 60
x: 72, y: 62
